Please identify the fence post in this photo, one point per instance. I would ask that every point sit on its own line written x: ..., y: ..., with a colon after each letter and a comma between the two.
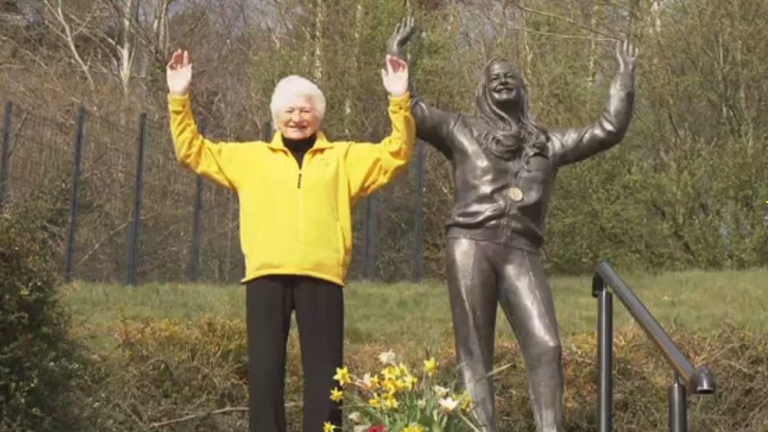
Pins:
x: 418, y: 223
x: 194, y: 266
x: 75, y: 200
x: 5, y: 162
x: 133, y: 238
x: 194, y: 261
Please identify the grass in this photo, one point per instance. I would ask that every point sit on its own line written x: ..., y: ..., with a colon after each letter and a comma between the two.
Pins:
x: 417, y: 316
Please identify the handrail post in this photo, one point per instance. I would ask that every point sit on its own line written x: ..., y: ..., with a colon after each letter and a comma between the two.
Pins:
x: 604, y: 354
x: 698, y: 381
x: 678, y: 406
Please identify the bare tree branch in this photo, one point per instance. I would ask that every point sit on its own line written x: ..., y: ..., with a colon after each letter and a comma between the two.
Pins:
x: 69, y: 38
x: 218, y: 411
x: 562, y: 18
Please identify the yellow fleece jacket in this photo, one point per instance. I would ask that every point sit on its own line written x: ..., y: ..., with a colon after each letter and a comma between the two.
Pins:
x: 296, y: 219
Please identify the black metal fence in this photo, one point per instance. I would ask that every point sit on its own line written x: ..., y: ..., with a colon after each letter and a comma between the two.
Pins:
x: 121, y: 209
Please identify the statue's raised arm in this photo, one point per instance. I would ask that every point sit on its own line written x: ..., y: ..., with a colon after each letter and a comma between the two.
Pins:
x: 432, y: 125
x: 576, y: 144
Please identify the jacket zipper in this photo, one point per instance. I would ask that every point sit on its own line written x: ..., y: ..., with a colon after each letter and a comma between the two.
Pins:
x: 301, y: 206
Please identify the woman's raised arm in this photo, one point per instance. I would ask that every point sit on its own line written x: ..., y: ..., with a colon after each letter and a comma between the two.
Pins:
x: 211, y: 160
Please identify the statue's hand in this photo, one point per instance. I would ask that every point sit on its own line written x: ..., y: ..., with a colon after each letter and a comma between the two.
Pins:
x: 626, y: 53
x: 403, y: 33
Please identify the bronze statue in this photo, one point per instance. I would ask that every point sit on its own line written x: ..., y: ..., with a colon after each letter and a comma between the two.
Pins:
x: 504, y: 167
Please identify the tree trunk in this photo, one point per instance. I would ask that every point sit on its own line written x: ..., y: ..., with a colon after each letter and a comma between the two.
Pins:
x: 160, y: 39
x: 527, y: 52
x: 319, y: 23
x: 125, y: 47
x: 593, y: 43
x: 358, y: 49
x: 68, y: 34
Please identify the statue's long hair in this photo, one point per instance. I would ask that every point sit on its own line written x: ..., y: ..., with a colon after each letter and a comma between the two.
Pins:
x: 507, y: 134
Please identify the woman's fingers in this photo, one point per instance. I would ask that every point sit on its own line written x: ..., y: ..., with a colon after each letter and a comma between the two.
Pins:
x: 396, y: 65
x: 172, y: 62
x: 180, y: 59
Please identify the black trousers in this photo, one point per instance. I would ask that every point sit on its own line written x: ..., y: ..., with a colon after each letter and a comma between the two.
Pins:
x: 319, y: 307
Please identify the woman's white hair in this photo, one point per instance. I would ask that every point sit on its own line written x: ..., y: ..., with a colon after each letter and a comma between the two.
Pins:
x: 292, y: 86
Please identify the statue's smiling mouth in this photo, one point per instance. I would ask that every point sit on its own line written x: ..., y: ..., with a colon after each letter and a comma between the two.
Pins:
x: 504, y: 88
x: 505, y: 92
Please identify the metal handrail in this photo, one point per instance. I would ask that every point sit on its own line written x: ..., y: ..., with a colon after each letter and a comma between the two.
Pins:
x: 699, y: 380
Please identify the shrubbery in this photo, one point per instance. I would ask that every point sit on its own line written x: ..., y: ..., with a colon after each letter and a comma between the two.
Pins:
x: 38, y: 361
x: 192, y: 376
x: 170, y: 370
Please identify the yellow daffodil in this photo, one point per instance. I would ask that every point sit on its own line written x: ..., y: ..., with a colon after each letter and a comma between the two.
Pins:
x: 337, y: 395
x: 430, y: 366
x: 375, y: 402
x: 389, y: 373
x: 375, y: 382
x: 392, y: 387
x: 327, y: 427
x: 414, y: 428
x: 369, y: 382
x: 409, y: 381
x: 401, y: 385
x: 466, y: 404
x: 403, y: 369
x: 342, y: 376
x: 391, y: 402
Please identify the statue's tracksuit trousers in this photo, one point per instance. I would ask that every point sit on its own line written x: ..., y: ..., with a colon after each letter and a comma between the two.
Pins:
x: 480, y: 276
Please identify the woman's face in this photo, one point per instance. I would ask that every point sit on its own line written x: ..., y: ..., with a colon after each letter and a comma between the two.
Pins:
x: 298, y: 119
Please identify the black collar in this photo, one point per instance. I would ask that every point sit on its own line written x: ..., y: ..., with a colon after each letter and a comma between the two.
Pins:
x: 303, y: 144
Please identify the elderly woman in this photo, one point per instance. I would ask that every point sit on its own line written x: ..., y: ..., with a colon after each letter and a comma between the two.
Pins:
x: 296, y: 194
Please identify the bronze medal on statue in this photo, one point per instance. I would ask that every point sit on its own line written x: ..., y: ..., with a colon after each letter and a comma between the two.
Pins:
x: 516, y: 194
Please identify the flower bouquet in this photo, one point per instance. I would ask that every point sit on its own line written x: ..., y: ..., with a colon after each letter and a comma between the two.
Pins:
x: 395, y: 400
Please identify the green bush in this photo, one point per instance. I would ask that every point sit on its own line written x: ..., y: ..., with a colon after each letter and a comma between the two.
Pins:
x: 194, y: 374
x: 38, y: 359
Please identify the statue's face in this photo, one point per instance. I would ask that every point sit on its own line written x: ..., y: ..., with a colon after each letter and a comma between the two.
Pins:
x: 504, y: 83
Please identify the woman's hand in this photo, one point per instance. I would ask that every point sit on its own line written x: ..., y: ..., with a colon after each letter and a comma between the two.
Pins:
x: 395, y: 78
x: 179, y: 73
